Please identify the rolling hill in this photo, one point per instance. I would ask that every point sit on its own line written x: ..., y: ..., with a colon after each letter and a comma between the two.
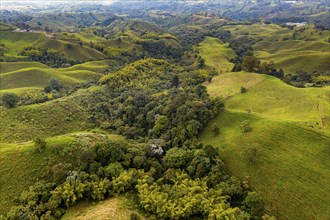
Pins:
x: 18, y: 77
x: 290, y: 130
x: 216, y: 54
x: 21, y: 165
x: 15, y: 42
x: 304, y: 48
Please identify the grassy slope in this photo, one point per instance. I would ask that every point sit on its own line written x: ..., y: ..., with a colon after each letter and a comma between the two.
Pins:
x: 293, y: 166
x: 113, y: 208
x: 21, y: 166
x: 6, y: 27
x: 296, y: 55
x: 309, y: 51
x: 19, y: 77
x: 15, y: 42
x: 217, y: 54
x: 47, y: 119
x: 6, y: 67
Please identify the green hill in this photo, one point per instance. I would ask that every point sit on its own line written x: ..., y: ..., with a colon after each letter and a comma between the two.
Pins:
x: 24, y: 76
x: 16, y: 41
x: 216, y: 54
x: 51, y: 118
x: 290, y: 130
x: 304, y: 48
x: 6, y: 27
x: 14, y: 66
x: 21, y: 166
x: 296, y: 55
x: 68, y: 21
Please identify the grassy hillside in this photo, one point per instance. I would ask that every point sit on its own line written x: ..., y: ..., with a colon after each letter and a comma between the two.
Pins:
x: 67, y: 21
x: 113, y: 208
x: 292, y: 162
x: 95, y: 66
x: 6, y: 27
x: 15, y: 42
x: 21, y: 166
x: 270, y: 32
x: 303, y: 48
x: 24, y: 76
x: 45, y: 120
x: 216, y: 54
x: 294, y: 55
x: 14, y: 66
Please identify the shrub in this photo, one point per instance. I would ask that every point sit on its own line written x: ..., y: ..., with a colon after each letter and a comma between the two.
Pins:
x: 9, y: 100
x: 215, y: 129
x: 250, y: 153
x: 245, y: 127
x: 39, y: 144
x: 243, y: 89
x: 134, y: 216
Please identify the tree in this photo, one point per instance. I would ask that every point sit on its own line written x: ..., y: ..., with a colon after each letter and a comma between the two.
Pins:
x: 250, y: 153
x: 9, y: 100
x: 254, y: 202
x: 251, y: 64
x: 175, y: 81
x: 55, y: 84
x: 215, y: 129
x: 243, y: 89
x: 245, y: 126
x: 161, y: 124
x: 200, y: 62
x: 177, y: 157
x: 39, y: 144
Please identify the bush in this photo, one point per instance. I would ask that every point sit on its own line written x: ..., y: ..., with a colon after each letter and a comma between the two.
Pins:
x: 243, y: 89
x: 250, y: 153
x: 134, y: 216
x: 9, y: 100
x: 245, y: 127
x: 215, y: 129
x: 39, y: 144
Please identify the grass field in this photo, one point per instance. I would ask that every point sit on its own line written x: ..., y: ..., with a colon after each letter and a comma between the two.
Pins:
x: 113, y: 208
x: 15, y: 42
x: 19, y: 77
x: 216, y: 54
x: 55, y: 117
x: 292, y: 165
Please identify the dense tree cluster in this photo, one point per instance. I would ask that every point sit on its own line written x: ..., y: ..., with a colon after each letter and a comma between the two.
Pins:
x: 181, y: 183
x: 154, y: 99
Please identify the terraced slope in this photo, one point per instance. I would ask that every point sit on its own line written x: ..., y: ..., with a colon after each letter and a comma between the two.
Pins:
x: 290, y: 130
